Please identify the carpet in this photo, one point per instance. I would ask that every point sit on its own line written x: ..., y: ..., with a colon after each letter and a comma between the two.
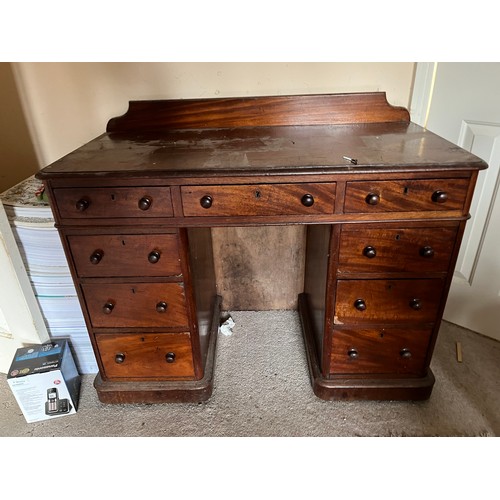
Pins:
x: 262, y: 389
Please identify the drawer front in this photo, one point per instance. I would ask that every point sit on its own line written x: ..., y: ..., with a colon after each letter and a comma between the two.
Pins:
x: 148, y: 355
x: 89, y: 203
x: 420, y: 249
x: 136, y: 305
x: 258, y: 200
x: 386, y: 350
x: 108, y: 255
x: 405, y: 195
x: 361, y: 301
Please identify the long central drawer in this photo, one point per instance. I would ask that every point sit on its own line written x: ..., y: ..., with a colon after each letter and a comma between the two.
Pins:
x: 258, y: 199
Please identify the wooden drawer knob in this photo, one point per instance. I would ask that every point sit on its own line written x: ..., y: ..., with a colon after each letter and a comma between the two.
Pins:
x: 439, y: 197
x: 82, y: 204
x: 108, y: 308
x: 206, y: 201
x: 154, y: 256
x: 96, y: 257
x: 119, y: 358
x: 353, y: 353
x: 372, y: 199
x: 405, y: 353
x: 427, y: 252
x: 161, y: 307
x: 369, y: 252
x: 170, y: 357
x: 360, y: 304
x: 145, y: 203
x: 416, y: 304
x: 307, y: 200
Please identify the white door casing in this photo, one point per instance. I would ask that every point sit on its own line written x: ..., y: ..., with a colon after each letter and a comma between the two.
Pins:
x: 21, y: 321
x: 461, y: 102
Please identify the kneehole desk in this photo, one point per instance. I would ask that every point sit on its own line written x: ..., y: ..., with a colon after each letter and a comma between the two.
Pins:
x: 384, y: 201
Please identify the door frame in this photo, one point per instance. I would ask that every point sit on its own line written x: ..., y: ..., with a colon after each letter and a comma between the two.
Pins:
x: 468, y: 299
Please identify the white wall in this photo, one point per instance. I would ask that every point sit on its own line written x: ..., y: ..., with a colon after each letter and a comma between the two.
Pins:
x: 68, y: 104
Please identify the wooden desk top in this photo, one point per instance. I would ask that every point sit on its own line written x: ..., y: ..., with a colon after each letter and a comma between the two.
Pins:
x: 185, y: 138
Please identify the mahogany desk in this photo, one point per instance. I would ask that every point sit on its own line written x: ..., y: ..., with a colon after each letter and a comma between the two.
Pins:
x: 385, y: 203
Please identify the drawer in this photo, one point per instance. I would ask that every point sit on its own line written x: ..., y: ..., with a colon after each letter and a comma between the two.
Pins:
x: 384, y: 350
x: 125, y: 305
x: 258, y: 199
x: 418, y: 249
x: 361, y: 301
x: 82, y: 203
x: 405, y: 195
x: 108, y: 255
x: 147, y: 356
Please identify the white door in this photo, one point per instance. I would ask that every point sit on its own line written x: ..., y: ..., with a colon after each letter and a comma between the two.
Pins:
x: 21, y: 321
x: 461, y: 102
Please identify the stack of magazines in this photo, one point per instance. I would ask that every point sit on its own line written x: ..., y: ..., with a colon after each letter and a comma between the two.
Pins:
x: 32, y: 223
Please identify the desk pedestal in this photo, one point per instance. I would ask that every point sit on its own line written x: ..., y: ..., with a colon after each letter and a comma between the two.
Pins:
x: 355, y: 388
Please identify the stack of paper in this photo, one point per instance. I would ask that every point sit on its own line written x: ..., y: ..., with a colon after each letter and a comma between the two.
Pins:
x: 32, y: 223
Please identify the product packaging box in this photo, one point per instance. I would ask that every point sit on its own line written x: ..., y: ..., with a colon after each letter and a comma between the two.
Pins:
x: 45, y: 381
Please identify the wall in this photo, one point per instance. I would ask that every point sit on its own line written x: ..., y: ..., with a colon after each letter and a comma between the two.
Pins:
x: 17, y: 156
x: 68, y: 104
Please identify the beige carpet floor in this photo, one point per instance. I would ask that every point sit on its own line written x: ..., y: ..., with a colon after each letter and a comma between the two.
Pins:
x: 262, y: 388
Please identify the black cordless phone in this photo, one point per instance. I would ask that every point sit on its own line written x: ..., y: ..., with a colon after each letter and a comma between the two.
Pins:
x: 52, y: 404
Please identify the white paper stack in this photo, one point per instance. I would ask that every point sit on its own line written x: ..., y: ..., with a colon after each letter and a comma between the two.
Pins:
x: 32, y: 223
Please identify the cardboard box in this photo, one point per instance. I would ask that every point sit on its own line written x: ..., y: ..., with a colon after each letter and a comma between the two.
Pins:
x: 45, y: 381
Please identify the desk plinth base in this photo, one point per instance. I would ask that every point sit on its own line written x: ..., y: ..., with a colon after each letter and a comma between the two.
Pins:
x: 179, y: 391
x: 346, y: 388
